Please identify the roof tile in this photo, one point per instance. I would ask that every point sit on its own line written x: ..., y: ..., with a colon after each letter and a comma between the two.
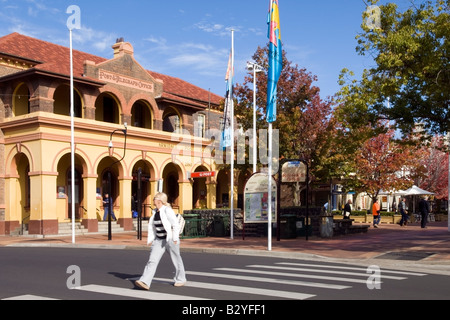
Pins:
x: 55, y: 59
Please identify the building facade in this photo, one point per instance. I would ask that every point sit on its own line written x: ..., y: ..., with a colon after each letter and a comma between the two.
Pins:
x: 127, y: 119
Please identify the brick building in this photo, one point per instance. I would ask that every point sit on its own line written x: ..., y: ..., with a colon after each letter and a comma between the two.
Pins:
x: 162, y: 114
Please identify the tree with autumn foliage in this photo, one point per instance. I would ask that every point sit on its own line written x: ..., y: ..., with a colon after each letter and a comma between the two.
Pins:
x: 304, y: 120
x: 383, y: 164
x: 431, y: 173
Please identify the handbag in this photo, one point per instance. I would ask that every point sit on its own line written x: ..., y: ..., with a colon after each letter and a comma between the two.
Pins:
x: 181, y: 222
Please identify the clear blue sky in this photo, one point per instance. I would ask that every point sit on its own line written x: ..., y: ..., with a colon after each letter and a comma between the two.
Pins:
x: 191, y: 40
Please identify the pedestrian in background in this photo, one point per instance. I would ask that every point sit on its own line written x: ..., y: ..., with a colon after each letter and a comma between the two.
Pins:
x: 403, y: 211
x: 376, y: 213
x: 424, y: 208
x: 163, y: 235
x: 348, y: 209
x: 106, y: 204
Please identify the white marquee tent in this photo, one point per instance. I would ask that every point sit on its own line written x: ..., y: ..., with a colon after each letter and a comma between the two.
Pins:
x: 416, y: 191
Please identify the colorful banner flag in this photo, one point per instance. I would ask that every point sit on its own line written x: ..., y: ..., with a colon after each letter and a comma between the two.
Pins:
x: 226, y: 133
x: 275, y: 60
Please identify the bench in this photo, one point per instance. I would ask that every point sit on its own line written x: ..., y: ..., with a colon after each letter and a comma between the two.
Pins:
x: 346, y: 226
x: 359, y: 228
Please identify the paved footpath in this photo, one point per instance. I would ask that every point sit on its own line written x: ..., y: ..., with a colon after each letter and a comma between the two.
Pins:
x: 430, y: 247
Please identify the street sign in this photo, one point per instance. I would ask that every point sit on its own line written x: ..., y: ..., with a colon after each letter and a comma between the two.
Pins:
x: 293, y: 171
x: 205, y: 174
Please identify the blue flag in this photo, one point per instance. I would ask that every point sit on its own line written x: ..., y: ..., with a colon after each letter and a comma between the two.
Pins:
x: 275, y: 60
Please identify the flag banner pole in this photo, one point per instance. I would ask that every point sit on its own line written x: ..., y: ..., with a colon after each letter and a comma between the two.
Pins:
x: 72, y: 134
x: 232, y: 140
x: 274, y: 73
x: 269, y: 194
x: 73, y: 22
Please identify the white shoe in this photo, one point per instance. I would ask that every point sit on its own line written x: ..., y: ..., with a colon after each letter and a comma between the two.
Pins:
x: 179, y: 284
x: 141, y: 285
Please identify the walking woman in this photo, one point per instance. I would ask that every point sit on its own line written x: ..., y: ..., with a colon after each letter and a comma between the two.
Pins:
x: 163, y: 234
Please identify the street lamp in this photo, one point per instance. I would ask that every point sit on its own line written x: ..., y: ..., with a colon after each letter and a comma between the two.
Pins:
x: 110, y: 146
x: 252, y: 66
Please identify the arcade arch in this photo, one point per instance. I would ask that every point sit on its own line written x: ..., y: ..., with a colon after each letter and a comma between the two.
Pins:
x: 141, y: 115
x: 64, y: 183
x: 145, y: 192
x: 61, y: 103
x: 107, y: 108
x: 20, y: 186
x: 199, y: 190
x: 172, y: 120
x: 172, y: 174
x: 21, y: 100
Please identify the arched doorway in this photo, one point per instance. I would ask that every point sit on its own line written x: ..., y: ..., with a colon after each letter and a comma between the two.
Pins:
x: 145, y: 192
x: 64, y: 185
x: 110, y: 187
x: 78, y: 195
x: 244, y: 176
x: 109, y: 167
x: 199, y: 191
x: 171, y: 176
x: 223, y: 189
x: 22, y: 206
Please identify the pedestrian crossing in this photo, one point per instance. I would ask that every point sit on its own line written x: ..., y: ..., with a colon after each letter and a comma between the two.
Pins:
x: 279, y: 280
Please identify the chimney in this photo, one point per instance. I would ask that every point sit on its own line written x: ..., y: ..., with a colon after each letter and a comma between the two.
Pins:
x: 121, y: 48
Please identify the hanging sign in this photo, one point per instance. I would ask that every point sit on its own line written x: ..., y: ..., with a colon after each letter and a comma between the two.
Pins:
x: 205, y: 174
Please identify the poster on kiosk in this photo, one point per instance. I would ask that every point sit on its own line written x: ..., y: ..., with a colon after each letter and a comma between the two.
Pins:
x: 256, y: 199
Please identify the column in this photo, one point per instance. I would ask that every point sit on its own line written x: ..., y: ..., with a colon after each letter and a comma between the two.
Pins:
x: 186, y: 194
x: 211, y: 193
x: 125, y: 218
x: 43, y: 218
x: 90, y: 219
x: 13, y: 216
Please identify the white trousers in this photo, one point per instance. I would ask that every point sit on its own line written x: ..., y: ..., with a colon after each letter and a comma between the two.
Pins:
x: 157, y: 251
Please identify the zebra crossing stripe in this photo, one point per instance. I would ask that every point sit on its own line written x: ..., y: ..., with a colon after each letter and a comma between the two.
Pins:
x: 295, y: 275
x: 28, y: 297
x: 406, y: 273
x: 133, y: 293
x: 265, y: 280
x: 322, y: 271
x: 246, y: 290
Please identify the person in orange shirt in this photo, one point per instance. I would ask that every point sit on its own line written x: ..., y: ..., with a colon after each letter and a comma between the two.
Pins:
x: 376, y: 213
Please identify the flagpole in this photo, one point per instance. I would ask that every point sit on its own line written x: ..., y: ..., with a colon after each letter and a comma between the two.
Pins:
x: 269, y: 188
x: 269, y: 207
x: 275, y: 68
x: 72, y: 131
x: 232, y: 141
x: 73, y: 22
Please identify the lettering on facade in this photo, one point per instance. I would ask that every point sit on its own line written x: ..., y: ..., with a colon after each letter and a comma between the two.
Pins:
x: 125, y: 81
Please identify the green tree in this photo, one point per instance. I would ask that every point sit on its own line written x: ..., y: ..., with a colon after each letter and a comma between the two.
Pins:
x: 412, y: 56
